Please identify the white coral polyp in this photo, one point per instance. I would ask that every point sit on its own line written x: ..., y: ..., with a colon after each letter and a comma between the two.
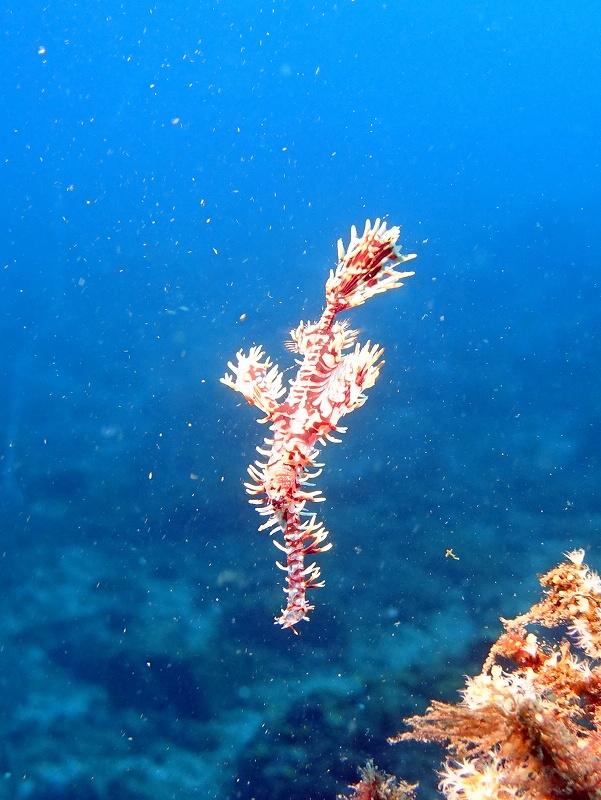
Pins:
x: 504, y: 690
x: 468, y: 780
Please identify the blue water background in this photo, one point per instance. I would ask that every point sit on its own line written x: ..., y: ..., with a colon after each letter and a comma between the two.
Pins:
x: 174, y: 179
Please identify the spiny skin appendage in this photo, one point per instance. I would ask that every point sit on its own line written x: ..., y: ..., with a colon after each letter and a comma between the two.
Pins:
x: 330, y: 383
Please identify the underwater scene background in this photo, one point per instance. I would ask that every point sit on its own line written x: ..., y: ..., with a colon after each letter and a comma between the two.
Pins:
x: 174, y: 178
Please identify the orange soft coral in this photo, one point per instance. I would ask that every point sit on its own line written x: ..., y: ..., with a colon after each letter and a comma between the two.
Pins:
x: 529, y: 726
x: 378, y: 785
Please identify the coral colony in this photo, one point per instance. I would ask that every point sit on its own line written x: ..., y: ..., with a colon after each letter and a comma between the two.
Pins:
x: 529, y: 726
x: 328, y: 385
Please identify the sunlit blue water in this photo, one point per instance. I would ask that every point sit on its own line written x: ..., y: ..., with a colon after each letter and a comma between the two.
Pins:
x: 174, y: 180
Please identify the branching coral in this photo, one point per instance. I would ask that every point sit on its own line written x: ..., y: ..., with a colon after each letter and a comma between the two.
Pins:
x: 529, y: 726
x: 378, y: 785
